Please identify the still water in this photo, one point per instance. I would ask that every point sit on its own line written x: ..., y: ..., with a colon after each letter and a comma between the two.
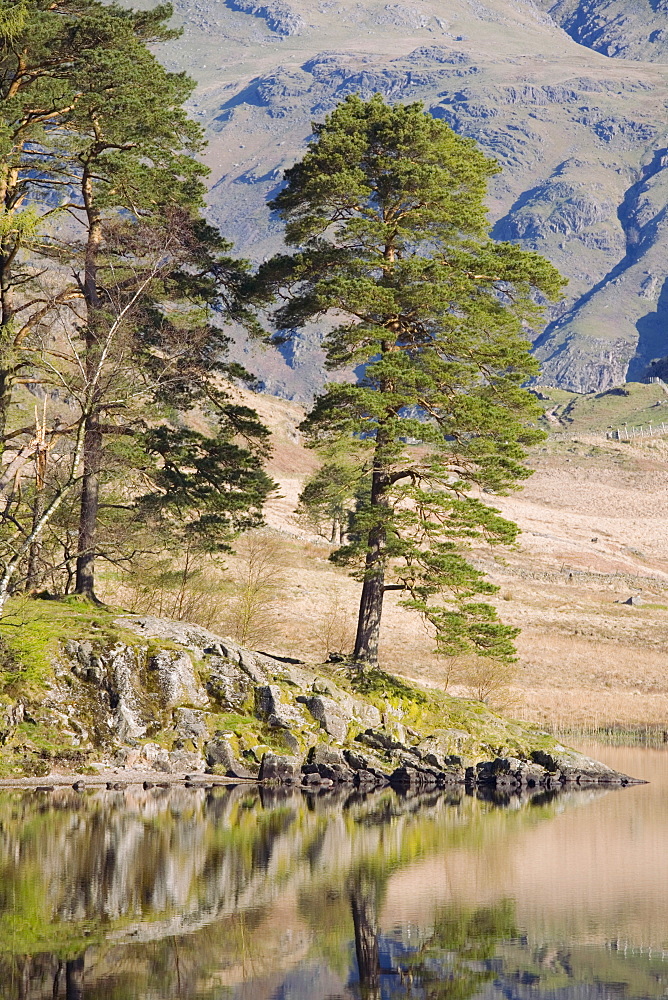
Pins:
x: 250, y: 895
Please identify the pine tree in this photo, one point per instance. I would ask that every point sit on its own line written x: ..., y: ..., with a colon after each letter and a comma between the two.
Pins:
x: 386, y: 212
x: 93, y: 134
x: 46, y: 54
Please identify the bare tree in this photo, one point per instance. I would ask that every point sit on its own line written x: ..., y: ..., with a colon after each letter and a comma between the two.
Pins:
x: 252, y: 615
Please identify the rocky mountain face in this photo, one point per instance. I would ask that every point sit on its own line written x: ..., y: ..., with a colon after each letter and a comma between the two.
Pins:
x: 626, y: 29
x: 570, y: 97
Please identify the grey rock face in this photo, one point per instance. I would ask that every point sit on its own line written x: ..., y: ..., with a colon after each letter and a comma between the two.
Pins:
x: 219, y: 753
x: 184, y: 760
x: 626, y: 29
x: 199, y: 640
x: 11, y: 715
x: 279, y: 768
x: 191, y: 724
x: 176, y: 679
x: 279, y: 16
x: 575, y: 145
x: 577, y: 767
x: 122, y: 673
x: 228, y: 683
x: 328, y: 713
x: 379, y: 740
x: 269, y: 705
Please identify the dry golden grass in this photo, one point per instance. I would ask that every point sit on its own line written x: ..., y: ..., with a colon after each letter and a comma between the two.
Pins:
x: 594, y: 521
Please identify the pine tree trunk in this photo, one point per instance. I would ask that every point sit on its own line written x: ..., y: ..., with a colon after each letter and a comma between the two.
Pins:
x: 74, y: 978
x: 363, y: 906
x: 373, y: 588
x: 88, y: 511
x: 371, y: 604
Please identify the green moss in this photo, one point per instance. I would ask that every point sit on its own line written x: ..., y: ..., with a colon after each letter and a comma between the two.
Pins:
x: 32, y: 630
x: 378, y: 684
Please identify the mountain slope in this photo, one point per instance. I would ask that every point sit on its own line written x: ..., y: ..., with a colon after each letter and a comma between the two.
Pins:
x: 630, y: 29
x: 581, y: 138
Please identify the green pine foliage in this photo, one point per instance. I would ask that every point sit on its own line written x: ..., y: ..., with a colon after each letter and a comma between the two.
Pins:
x: 117, y: 312
x: 387, y: 217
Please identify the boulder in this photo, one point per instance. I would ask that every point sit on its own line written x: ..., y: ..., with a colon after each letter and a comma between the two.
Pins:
x: 281, y: 769
x: 219, y: 752
x: 220, y: 759
x: 270, y: 707
x: 324, y: 755
x: 365, y: 778
x: 176, y: 679
x: 190, y: 724
x: 228, y: 684
x: 328, y: 763
x: 183, y: 761
x: 357, y: 761
x: 404, y: 778
x: 365, y: 713
x: 328, y: 713
x: 378, y: 739
x: 311, y: 778
x: 576, y: 767
x: 443, y: 762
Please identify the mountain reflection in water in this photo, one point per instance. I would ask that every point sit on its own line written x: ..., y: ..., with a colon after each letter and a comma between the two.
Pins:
x: 254, y: 894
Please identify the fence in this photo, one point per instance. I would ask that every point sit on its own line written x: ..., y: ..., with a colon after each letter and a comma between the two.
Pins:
x: 627, y: 433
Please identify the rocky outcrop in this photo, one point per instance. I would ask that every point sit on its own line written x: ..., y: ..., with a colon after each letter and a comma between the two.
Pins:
x: 168, y: 697
x: 623, y: 29
x: 280, y: 17
x: 176, y: 679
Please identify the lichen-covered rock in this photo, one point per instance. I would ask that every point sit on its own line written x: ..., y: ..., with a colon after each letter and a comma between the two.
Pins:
x: 221, y: 759
x: 328, y: 713
x: 122, y: 675
x: 576, y: 767
x: 412, y: 778
x: 328, y: 763
x: 229, y: 684
x: 219, y: 752
x: 279, y: 768
x: 321, y: 754
x: 177, y: 680
x: 191, y: 724
x: 445, y: 743
x: 379, y: 739
x: 270, y: 707
x: 11, y: 714
x: 181, y: 761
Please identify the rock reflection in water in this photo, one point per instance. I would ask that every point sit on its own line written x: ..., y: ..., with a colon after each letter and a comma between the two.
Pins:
x: 248, y: 893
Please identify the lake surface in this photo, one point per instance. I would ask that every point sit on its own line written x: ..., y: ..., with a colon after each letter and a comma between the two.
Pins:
x: 245, y: 894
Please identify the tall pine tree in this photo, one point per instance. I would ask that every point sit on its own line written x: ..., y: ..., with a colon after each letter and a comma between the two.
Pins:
x: 386, y: 212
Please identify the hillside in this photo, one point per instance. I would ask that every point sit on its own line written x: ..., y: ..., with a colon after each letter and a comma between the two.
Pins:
x: 628, y: 29
x: 594, y: 520
x: 570, y: 98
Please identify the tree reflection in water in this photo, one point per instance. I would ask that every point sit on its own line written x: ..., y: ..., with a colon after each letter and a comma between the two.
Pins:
x: 194, y: 894
x: 452, y: 962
